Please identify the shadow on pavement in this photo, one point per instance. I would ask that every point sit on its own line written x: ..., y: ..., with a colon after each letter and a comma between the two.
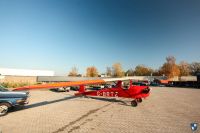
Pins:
x: 110, y: 100
x: 66, y: 98
x: 42, y: 103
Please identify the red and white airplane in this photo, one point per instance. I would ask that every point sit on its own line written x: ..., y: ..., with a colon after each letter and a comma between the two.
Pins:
x: 137, y: 93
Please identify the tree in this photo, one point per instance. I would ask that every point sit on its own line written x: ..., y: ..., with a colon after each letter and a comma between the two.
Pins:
x: 117, y: 70
x: 171, y: 60
x: 109, y: 71
x: 184, y: 68
x: 130, y: 72
x: 194, y: 68
x: 92, y: 72
x: 142, y: 70
x: 156, y: 73
x: 73, y: 72
x: 170, y: 69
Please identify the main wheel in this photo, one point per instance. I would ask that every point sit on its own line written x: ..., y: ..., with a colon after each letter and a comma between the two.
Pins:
x: 139, y: 100
x: 134, y: 103
x: 4, y: 108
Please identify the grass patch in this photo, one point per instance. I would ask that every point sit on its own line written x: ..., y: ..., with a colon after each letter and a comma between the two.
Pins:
x: 15, y: 85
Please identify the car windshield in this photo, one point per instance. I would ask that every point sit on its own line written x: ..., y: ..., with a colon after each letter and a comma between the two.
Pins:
x: 2, y: 88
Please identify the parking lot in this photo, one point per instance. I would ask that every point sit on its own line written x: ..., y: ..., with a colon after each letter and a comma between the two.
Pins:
x: 168, y: 110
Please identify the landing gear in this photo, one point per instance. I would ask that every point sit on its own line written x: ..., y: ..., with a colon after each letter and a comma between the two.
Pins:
x: 134, y: 103
x: 139, y: 100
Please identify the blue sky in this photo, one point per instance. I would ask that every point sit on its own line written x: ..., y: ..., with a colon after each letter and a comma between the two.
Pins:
x: 59, y: 34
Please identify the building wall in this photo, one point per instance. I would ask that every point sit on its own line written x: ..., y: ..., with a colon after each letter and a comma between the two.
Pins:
x: 25, y: 72
x: 35, y: 79
x: 65, y: 78
x: 188, y: 78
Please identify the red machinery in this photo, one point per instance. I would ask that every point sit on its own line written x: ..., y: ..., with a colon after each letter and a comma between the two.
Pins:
x: 130, y: 91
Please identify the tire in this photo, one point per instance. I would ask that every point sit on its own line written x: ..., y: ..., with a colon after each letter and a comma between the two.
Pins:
x: 139, y: 100
x: 134, y: 103
x: 4, y: 107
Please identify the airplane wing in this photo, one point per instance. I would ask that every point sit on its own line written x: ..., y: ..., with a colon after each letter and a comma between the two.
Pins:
x: 71, y: 83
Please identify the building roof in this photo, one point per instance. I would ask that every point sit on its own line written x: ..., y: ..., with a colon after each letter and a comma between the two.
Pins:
x: 25, y: 72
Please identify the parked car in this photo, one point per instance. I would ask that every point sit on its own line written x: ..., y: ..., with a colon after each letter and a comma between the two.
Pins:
x: 94, y: 88
x: 10, y: 99
x: 157, y: 84
x: 107, y: 86
x: 61, y: 89
x: 154, y: 84
x: 74, y: 88
x: 140, y: 83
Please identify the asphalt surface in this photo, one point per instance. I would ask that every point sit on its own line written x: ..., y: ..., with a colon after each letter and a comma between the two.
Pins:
x: 168, y: 110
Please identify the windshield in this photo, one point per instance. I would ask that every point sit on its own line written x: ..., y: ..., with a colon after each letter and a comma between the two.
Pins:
x: 2, y: 88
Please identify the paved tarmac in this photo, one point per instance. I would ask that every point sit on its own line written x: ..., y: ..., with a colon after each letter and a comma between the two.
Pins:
x: 167, y: 110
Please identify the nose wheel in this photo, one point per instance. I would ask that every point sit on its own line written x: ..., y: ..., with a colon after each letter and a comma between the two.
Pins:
x: 135, y: 102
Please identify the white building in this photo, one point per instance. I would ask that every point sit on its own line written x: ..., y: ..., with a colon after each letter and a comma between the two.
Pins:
x: 25, y: 72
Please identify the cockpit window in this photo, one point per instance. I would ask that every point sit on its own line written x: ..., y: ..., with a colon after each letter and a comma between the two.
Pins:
x: 126, y: 85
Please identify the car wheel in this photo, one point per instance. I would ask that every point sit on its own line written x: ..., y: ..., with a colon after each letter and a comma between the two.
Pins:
x: 4, y: 108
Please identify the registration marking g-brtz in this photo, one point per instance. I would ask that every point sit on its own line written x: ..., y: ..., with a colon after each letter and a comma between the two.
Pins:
x: 107, y: 94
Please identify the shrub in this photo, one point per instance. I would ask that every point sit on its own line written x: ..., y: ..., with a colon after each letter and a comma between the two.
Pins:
x: 14, y: 85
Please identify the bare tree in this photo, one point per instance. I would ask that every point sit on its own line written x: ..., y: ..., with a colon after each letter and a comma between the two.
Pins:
x: 109, y: 71
x: 170, y: 69
x: 130, y: 72
x: 73, y: 72
x: 171, y: 60
x: 184, y: 68
x: 195, y: 68
x: 156, y: 72
x: 117, y: 70
x: 92, y: 72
